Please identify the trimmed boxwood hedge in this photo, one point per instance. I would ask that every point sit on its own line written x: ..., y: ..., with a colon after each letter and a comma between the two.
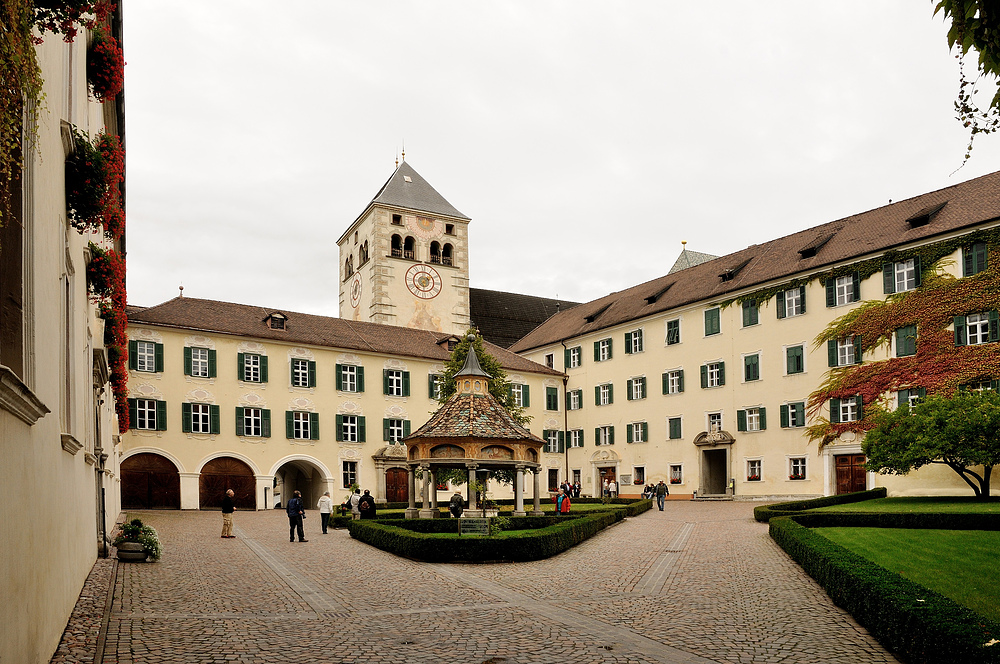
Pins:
x: 917, y: 624
x: 764, y: 513
x: 548, y: 536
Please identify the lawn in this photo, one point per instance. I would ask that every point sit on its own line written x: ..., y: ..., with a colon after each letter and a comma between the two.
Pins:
x: 959, y: 564
x: 945, y: 504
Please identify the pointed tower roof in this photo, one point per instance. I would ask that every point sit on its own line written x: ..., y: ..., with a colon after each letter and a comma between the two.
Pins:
x: 690, y: 259
x: 407, y: 189
x: 472, y: 366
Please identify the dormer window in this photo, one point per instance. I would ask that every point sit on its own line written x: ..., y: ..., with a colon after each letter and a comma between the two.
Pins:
x: 924, y: 216
x: 813, y: 247
x: 276, y: 321
x: 731, y: 273
x: 397, y: 220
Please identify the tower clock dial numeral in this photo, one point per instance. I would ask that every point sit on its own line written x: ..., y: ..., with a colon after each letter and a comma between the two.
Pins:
x: 423, y: 281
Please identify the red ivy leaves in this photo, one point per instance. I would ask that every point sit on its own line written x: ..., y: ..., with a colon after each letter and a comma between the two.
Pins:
x: 62, y: 16
x: 105, y: 66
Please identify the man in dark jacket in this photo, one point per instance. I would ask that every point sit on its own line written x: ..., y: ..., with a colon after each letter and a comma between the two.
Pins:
x: 296, y: 512
x: 228, y: 507
x: 456, y: 505
x: 367, y: 506
x: 662, y: 491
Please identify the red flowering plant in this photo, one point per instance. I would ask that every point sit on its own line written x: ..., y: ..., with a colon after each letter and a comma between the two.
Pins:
x: 64, y: 16
x: 106, y: 273
x: 113, y: 217
x: 94, y: 173
x: 105, y: 66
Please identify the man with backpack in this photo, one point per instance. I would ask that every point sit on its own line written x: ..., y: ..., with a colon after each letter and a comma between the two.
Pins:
x: 296, y: 512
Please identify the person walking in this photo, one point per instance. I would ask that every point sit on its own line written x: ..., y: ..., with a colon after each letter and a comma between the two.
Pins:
x: 296, y: 512
x: 366, y: 506
x: 605, y: 490
x: 662, y: 491
x: 355, y: 499
x: 576, y: 489
x: 325, y: 506
x: 456, y: 505
x: 613, y: 489
x: 228, y: 507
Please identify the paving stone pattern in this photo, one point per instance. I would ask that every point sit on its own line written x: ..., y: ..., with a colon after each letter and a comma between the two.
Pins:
x: 694, y: 584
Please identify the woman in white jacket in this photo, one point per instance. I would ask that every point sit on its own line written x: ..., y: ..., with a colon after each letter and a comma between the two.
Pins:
x: 325, y: 506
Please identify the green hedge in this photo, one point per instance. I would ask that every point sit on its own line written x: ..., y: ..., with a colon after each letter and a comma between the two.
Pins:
x: 548, y: 536
x: 765, y: 513
x: 918, y: 625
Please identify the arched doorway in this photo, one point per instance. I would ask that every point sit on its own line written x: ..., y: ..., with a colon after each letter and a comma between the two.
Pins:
x: 396, y: 485
x: 149, y: 482
x: 300, y: 475
x: 224, y: 473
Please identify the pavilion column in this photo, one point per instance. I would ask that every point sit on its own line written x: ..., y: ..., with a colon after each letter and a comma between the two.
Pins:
x: 519, y: 491
x: 537, y: 504
x: 411, y: 494
x: 472, y: 492
x: 426, y: 481
x: 434, y: 490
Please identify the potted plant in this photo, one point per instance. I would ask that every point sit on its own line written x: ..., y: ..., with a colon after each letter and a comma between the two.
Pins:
x: 136, y: 542
x: 105, y: 66
x: 796, y: 476
x: 674, y: 481
x: 753, y: 478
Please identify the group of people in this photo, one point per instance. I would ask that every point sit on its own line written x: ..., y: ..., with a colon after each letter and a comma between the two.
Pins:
x: 661, y: 491
x: 362, y: 506
x: 571, y: 489
x: 610, y: 488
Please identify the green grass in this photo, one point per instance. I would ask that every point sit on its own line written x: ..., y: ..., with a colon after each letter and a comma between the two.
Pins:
x: 939, y: 504
x: 959, y: 564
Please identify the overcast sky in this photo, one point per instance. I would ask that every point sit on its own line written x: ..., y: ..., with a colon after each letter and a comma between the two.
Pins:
x: 585, y: 140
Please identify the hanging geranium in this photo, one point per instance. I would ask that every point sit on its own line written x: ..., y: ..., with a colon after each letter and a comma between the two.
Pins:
x: 113, y: 216
x: 111, y: 271
x: 64, y: 16
x: 105, y: 66
x: 105, y: 273
x: 94, y: 173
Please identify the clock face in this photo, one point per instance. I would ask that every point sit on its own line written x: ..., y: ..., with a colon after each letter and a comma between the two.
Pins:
x: 423, y: 281
x: 356, y: 290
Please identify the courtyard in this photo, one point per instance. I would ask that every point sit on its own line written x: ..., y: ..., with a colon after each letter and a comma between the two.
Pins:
x: 699, y: 582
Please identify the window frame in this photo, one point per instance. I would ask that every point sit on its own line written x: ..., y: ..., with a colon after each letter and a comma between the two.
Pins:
x: 751, y: 365
x: 713, y: 321
x: 801, y: 348
x: 673, y: 331
x: 145, y: 361
x: 349, y: 470
x: 754, y: 468
x: 790, y: 411
x: 798, y: 468
x: 576, y: 438
x: 673, y: 378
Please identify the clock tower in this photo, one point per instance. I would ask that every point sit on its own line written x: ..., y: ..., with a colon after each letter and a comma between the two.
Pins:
x: 405, y: 260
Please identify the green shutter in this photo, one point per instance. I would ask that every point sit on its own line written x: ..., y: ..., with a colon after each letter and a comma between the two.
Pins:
x: 857, y: 349
x: 158, y: 361
x: 265, y: 423
x: 834, y: 411
x: 263, y: 368
x: 133, y: 355
x: 525, y: 396
x: 406, y: 428
x: 779, y: 300
x: 312, y: 373
x: 313, y: 426
x: 385, y: 428
x: 860, y: 404
x: 597, y: 435
x: 406, y: 384
x: 597, y: 395
x: 831, y: 292
x: 800, y: 413
x: 856, y: 285
x: 385, y: 381
x: 704, y: 376
x: 916, y: 273
x: 666, y: 381
x: 741, y: 420
x: 430, y: 386
x: 888, y: 278
x: 994, y: 325
x: 597, y: 351
x: 960, y: 336
x: 551, y: 398
x: 832, y: 356
x: 628, y: 343
x: 161, y: 415
x: 722, y: 373
x: 628, y: 434
x: 186, y: 417
x: 642, y: 387
x: 566, y: 358
x: 567, y: 399
x: 802, y: 298
x: 674, y: 424
x: 133, y: 413
x: 763, y: 418
x: 212, y: 364
x: 581, y: 437
x: 340, y: 428
x: 187, y: 363
x: 361, y: 429
x: 239, y: 421
x: 611, y: 435
x: 289, y: 424
x: 628, y: 389
x: 751, y: 367
x: 645, y: 431
x: 981, y: 257
x: 338, y: 377
x: 359, y: 373
x: 215, y: 418
x: 902, y: 398
x: 783, y: 415
x: 562, y: 442
x: 680, y: 380
x: 968, y: 261
x: 611, y: 393
x: 240, y: 366
x: 906, y: 341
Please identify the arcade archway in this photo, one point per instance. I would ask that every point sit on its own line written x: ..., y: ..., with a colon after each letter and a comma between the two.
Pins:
x: 224, y: 473
x: 150, y: 482
x: 300, y: 475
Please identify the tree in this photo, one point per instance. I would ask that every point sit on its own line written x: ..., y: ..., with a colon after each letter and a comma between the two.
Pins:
x: 962, y: 432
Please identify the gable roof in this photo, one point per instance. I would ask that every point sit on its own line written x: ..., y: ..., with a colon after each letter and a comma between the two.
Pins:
x: 503, y: 318
x: 954, y: 208
x: 215, y: 317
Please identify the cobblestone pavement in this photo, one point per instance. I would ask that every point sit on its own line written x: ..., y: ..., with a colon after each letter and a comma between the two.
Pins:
x: 696, y: 583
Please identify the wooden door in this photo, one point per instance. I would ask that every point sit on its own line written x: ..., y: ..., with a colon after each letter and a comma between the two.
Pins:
x: 851, y: 474
x: 224, y: 473
x: 397, y: 485
x: 149, y: 481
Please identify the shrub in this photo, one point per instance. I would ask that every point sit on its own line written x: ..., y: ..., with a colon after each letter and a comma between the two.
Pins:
x: 764, y: 513
x: 136, y: 531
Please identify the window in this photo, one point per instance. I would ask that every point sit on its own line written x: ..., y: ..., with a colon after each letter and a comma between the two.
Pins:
x: 843, y: 290
x: 576, y: 438
x: 303, y: 373
x: 795, y: 362
x: 712, y: 322
x: 447, y: 254
x: 521, y: 395
x: 395, y: 383
x: 350, y: 428
x: 254, y: 422
x: 435, y: 252
x: 351, y: 469
x: 408, y: 247
x: 639, y: 474
x: 350, y: 378
x: 604, y: 394
x: 301, y: 426
x: 252, y: 368
x: 714, y: 422
x: 277, y: 321
x: 791, y: 302
x: 148, y: 414
x: 901, y: 276
x: 435, y: 382
x: 797, y: 468
x: 573, y: 357
x: 574, y: 400
x: 974, y: 329
x: 449, y: 229
x: 633, y: 342
x: 550, y: 360
x: 602, y: 350
x: 395, y: 430
x: 396, y: 245
x: 793, y: 414
x: 751, y: 419
x: 844, y: 352
x: 199, y: 418
x: 637, y: 432
x: 751, y: 367
x: 551, y: 398
x: 145, y: 356
x: 673, y: 381
x: 676, y: 474
x: 604, y: 435
x: 906, y: 341
x: 713, y: 374
x: 199, y: 362
x: 674, y: 428
x: 974, y: 259
x: 846, y: 410
x: 636, y: 388
x: 751, y: 313
x: 910, y: 397
x: 363, y: 253
x: 554, y: 441
x: 753, y: 470
x: 981, y: 385
x: 673, y: 332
